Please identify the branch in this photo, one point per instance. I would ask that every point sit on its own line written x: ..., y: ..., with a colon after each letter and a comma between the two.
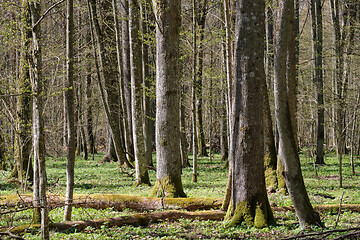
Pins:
x: 46, y: 12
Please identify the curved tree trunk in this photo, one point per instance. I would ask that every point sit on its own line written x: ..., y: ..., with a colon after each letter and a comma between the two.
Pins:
x: 168, y: 168
x: 288, y: 148
x: 249, y: 200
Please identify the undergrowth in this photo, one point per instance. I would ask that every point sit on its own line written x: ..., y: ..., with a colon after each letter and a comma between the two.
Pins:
x: 91, y: 177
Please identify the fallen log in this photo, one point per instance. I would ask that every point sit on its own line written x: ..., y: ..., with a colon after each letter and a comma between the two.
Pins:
x: 142, y: 219
x: 118, y: 202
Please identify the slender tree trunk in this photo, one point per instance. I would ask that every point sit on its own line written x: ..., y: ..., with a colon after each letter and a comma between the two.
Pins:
x: 199, y: 78
x: 316, y: 16
x: 126, y: 72
x: 141, y: 173
x: 249, y: 200
x: 194, y: 90
x: 41, y: 214
x: 288, y: 148
x: 69, y: 100
x: 2, y: 153
x: 183, y: 142
x: 147, y: 84
x: 168, y: 168
x: 109, y: 75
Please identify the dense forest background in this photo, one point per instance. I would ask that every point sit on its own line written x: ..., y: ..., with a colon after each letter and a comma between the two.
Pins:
x: 99, y: 61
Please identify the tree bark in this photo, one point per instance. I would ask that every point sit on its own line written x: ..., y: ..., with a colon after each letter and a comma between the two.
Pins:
x: 126, y: 73
x: 41, y: 214
x: 288, y: 148
x: 194, y: 94
x: 168, y: 169
x: 249, y: 200
x: 70, y: 113
x: 2, y: 153
x: 316, y: 16
x: 22, y: 151
x: 109, y: 75
x: 141, y: 172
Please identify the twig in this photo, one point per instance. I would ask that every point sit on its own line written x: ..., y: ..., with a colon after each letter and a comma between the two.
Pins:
x: 321, y: 233
x: 338, y: 216
x: 11, y: 235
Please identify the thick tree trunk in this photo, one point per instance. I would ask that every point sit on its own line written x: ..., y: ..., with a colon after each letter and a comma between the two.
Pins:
x: 249, y: 200
x: 41, y: 214
x: 168, y: 169
x: 110, y: 154
x: 141, y: 172
x: 288, y: 148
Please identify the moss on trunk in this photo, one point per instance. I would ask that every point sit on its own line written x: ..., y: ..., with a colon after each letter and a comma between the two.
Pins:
x: 254, y: 213
x: 169, y: 188
x: 270, y: 174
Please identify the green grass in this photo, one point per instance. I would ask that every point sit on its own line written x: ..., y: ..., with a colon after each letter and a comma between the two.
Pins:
x: 94, y: 178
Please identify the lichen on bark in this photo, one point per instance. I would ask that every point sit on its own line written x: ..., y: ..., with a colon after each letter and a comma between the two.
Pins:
x: 169, y: 188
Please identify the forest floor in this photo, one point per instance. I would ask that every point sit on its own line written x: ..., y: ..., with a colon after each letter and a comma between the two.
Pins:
x: 92, y: 177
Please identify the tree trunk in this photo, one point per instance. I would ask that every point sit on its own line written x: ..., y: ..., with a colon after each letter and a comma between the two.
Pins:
x: 2, y: 153
x: 22, y: 151
x: 147, y: 83
x: 194, y: 89
x: 109, y: 75
x: 288, y: 148
x: 110, y: 149
x: 126, y: 73
x: 168, y: 168
x: 249, y: 200
x: 41, y: 214
x: 316, y: 16
x: 183, y: 142
x: 70, y: 113
x: 141, y: 172
x: 199, y: 79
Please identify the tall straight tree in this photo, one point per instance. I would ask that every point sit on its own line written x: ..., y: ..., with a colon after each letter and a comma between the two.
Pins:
x: 23, y: 108
x: 2, y: 153
x: 41, y: 214
x: 141, y: 176
x: 288, y: 153
x: 249, y: 200
x: 168, y: 168
x: 317, y: 38
x: 69, y: 103
x: 126, y: 76
x: 105, y: 38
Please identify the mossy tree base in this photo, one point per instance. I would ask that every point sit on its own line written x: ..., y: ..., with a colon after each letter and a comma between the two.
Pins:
x: 254, y: 213
x: 169, y: 188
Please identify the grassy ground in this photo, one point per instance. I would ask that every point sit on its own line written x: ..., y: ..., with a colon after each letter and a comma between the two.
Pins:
x: 94, y: 178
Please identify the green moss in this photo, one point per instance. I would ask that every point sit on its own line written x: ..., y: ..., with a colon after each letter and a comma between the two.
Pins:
x: 166, y: 187
x: 21, y: 229
x: 270, y: 174
x: 252, y: 212
x: 280, y: 177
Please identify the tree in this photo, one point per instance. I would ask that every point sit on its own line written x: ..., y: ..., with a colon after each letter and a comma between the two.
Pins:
x: 2, y: 153
x: 168, y: 168
x: 23, y: 168
x: 69, y: 102
x: 249, y: 200
x: 317, y: 35
x: 41, y: 214
x: 109, y: 74
x: 288, y: 153
x: 142, y: 176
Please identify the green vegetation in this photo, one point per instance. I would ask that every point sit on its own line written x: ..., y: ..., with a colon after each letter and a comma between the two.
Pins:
x: 94, y: 178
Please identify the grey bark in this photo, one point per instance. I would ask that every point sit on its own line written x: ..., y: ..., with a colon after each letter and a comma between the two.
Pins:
x: 70, y: 113
x: 288, y: 148
x: 2, y: 153
x: 126, y: 72
x: 168, y: 169
x: 141, y: 172
x: 194, y: 116
x: 41, y: 214
x: 249, y: 200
